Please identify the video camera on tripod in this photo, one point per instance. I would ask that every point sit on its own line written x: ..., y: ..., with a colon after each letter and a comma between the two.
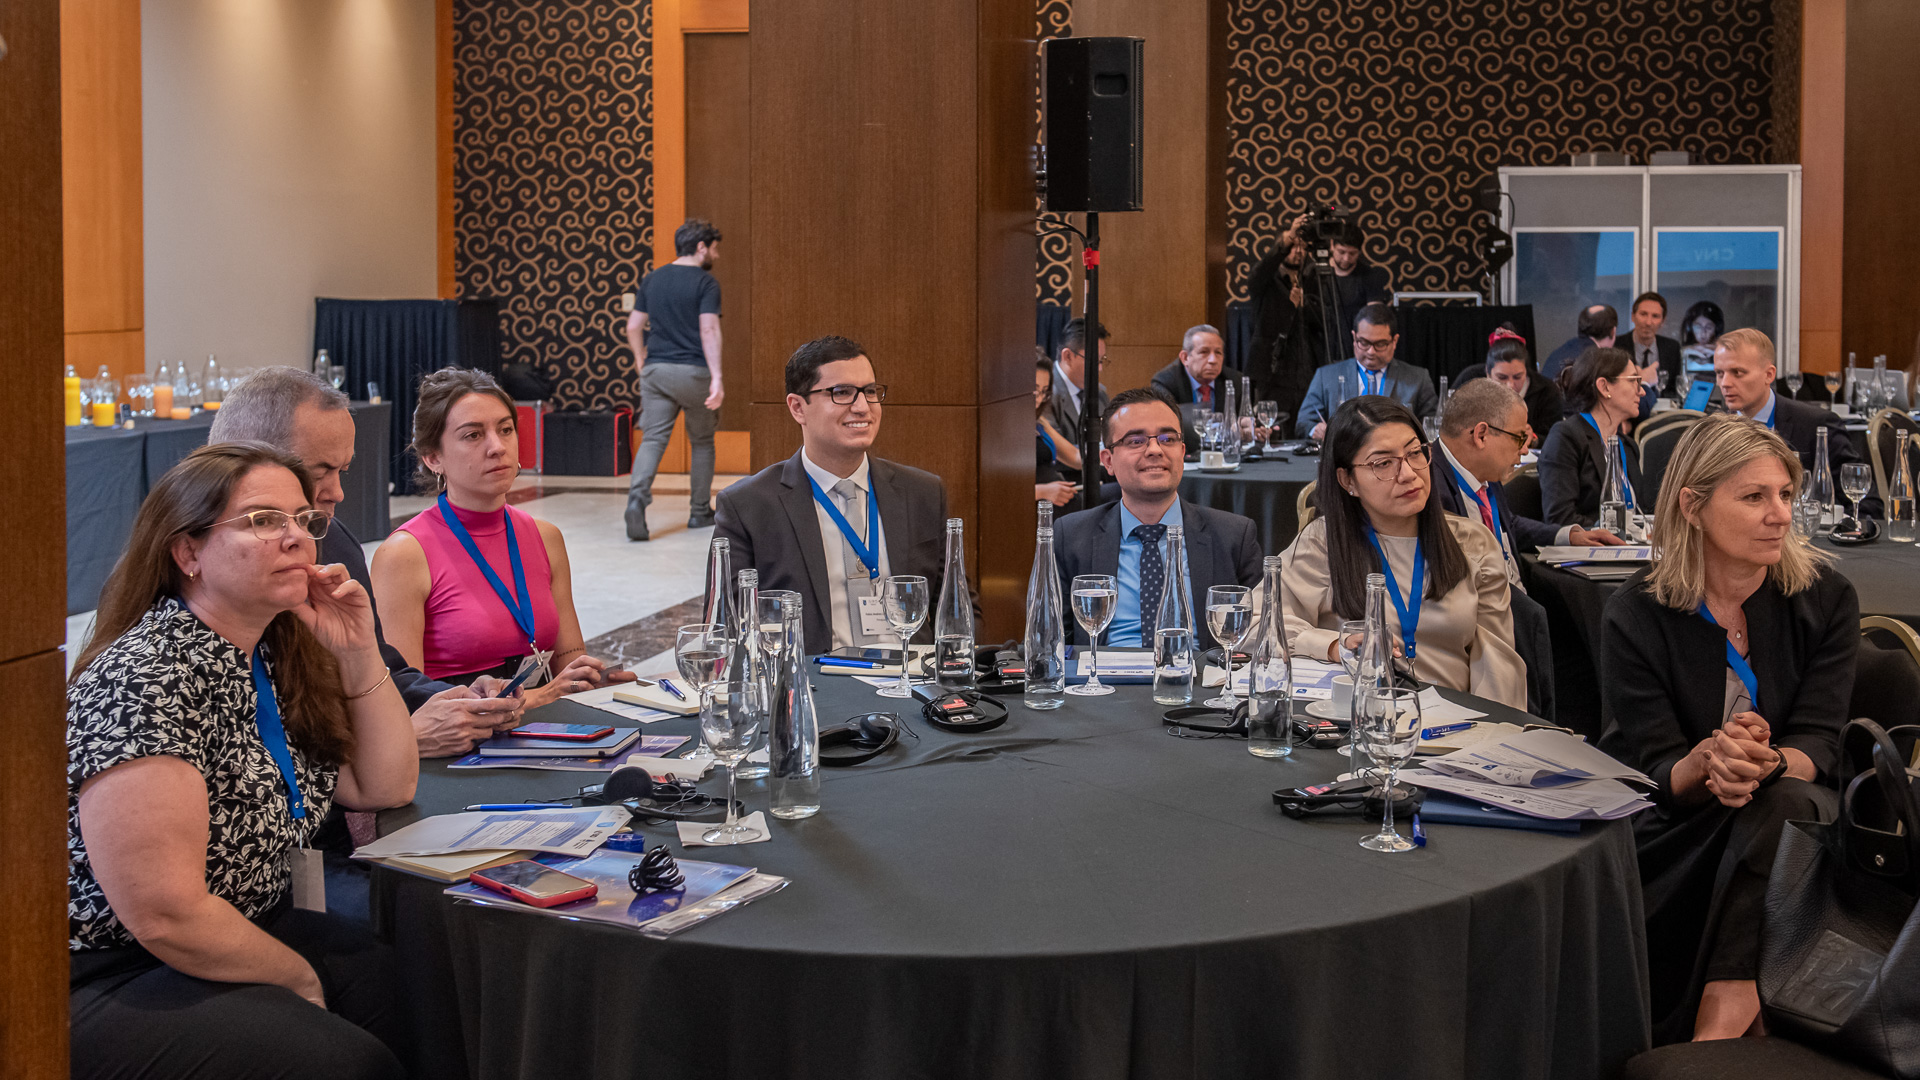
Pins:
x: 1324, y: 225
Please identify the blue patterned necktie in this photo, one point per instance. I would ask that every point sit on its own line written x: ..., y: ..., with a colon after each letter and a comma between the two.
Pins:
x: 1153, y: 579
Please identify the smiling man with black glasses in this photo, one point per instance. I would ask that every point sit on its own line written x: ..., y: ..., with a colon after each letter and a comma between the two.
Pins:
x: 1128, y: 539
x: 1481, y: 439
x: 831, y: 521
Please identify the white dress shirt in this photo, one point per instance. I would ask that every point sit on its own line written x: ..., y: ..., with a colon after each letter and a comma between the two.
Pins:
x: 1472, y: 498
x: 834, y: 545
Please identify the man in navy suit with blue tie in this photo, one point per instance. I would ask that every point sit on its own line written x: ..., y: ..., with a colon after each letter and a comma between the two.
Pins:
x: 1481, y: 439
x: 1373, y: 370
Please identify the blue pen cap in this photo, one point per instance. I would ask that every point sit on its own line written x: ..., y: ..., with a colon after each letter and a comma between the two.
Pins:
x: 633, y: 842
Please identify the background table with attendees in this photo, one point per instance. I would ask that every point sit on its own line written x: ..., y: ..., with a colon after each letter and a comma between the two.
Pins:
x: 1267, y: 491
x: 951, y: 887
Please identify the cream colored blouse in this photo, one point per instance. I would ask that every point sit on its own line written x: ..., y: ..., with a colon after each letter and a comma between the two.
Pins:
x: 1465, y: 641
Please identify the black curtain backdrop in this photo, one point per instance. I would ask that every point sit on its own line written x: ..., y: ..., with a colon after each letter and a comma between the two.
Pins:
x: 394, y: 343
x: 1445, y: 338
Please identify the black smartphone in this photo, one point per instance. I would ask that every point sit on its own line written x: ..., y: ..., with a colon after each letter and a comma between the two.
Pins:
x: 878, y: 656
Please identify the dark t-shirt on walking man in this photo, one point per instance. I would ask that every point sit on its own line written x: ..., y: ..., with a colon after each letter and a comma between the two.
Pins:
x: 674, y: 297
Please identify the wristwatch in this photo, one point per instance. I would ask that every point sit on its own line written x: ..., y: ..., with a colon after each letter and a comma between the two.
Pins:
x: 1779, y: 770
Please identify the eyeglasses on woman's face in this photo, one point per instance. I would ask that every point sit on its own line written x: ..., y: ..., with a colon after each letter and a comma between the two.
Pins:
x: 271, y: 525
x: 1386, y: 467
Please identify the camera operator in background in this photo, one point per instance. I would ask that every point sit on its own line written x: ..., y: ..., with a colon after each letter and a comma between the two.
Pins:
x: 1282, y: 359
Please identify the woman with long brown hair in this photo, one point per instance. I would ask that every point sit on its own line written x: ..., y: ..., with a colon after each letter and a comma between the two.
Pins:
x: 230, y: 693
x: 473, y: 586
x: 1602, y: 391
x: 1727, y: 668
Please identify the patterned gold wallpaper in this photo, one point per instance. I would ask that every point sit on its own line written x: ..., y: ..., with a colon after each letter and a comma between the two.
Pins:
x: 553, y: 181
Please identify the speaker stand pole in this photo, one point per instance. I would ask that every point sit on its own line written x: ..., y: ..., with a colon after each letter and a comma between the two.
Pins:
x: 1091, y: 435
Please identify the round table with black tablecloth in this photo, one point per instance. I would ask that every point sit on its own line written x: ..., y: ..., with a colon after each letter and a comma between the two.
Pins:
x: 1886, y: 576
x: 1075, y: 894
x: 1265, y: 491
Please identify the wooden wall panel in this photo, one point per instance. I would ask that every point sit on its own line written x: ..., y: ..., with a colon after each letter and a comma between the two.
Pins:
x: 1825, y: 150
x: 719, y: 189
x: 100, y: 175
x: 121, y: 350
x: 446, y: 241
x: 33, y: 948
x: 892, y: 203
x: 1882, y: 294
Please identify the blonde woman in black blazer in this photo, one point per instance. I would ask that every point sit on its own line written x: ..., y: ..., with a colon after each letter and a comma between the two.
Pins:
x: 1727, y: 669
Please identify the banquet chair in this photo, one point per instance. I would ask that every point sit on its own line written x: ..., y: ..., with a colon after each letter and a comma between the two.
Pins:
x: 1767, y: 1058
x: 1883, y: 445
x: 1886, y: 679
x: 1523, y: 494
x: 1657, y: 439
x: 1303, y: 505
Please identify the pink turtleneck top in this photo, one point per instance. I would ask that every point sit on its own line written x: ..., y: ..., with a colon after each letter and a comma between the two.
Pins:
x: 467, y: 629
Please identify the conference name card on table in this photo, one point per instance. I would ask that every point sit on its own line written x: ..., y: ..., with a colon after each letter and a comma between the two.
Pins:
x: 1312, y: 679
x: 563, y: 830
x: 1620, y: 553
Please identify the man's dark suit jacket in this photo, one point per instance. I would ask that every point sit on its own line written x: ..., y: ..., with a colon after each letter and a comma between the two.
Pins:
x: 341, y: 546
x: 1573, y: 470
x: 1567, y: 353
x: 1797, y: 422
x: 1528, y: 533
x: 1222, y: 549
x: 1412, y: 385
x: 1665, y: 349
x: 1173, y: 379
x: 772, y: 526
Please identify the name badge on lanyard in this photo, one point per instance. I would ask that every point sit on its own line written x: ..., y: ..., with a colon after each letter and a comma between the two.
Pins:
x: 1409, y: 609
x: 305, y: 866
x: 869, y: 552
x: 519, y: 603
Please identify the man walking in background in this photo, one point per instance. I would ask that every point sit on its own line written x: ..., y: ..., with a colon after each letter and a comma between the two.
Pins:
x: 675, y: 334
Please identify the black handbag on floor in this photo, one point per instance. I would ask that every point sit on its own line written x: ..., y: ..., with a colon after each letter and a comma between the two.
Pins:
x: 1840, y: 948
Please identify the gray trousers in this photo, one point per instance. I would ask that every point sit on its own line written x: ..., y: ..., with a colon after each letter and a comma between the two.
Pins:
x: 667, y: 390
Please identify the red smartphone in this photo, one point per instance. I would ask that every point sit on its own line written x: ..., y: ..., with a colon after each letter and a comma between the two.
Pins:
x: 535, y: 883
x: 575, y: 732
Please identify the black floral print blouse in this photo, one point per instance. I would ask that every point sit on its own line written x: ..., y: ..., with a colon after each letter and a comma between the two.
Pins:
x: 172, y: 687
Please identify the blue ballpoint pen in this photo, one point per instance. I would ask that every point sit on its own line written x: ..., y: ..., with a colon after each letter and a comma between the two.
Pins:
x: 517, y: 806
x: 667, y: 685
x: 1419, y: 834
x: 1445, y: 729
x: 843, y: 661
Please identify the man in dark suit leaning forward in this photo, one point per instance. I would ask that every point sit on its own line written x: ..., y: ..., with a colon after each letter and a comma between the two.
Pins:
x: 1128, y: 538
x: 805, y: 523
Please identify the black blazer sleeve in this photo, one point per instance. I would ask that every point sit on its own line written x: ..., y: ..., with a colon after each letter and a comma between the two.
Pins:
x: 1826, y: 624
x: 1245, y: 552
x: 1529, y: 534
x: 1563, y: 467
x: 1315, y: 407
x: 1644, y: 725
x: 415, y: 688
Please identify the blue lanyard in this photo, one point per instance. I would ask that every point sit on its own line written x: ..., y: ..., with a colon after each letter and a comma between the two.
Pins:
x: 1605, y: 464
x: 1493, y: 502
x: 1738, y: 663
x: 1044, y: 437
x: 523, y: 611
x: 1409, y: 609
x: 1369, y: 380
x: 869, y: 552
x: 266, y: 715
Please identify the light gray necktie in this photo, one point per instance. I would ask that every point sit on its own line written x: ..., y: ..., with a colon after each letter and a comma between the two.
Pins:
x: 853, y: 503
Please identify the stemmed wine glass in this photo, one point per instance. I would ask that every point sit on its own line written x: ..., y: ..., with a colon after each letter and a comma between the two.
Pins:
x: 1389, y: 721
x: 700, y: 651
x: 1664, y: 378
x: 729, y: 728
x: 337, y: 374
x: 1266, y: 414
x: 1795, y: 381
x: 1230, y: 617
x: 1095, y: 597
x: 903, y: 597
x: 1353, y: 632
x: 1833, y: 387
x: 1854, y: 482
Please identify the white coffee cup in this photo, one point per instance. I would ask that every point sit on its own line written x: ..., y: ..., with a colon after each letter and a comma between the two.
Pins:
x: 1343, y: 694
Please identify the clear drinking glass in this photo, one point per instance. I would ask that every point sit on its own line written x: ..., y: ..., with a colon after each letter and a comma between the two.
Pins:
x: 1389, y: 720
x: 1266, y: 414
x: 1855, y: 479
x: 1833, y: 387
x: 1353, y: 632
x: 904, y: 599
x: 772, y: 617
x: 337, y: 374
x: 700, y: 651
x: 140, y: 394
x: 1795, y: 381
x: 1230, y: 618
x: 1095, y: 598
x: 729, y: 728
x: 1665, y: 377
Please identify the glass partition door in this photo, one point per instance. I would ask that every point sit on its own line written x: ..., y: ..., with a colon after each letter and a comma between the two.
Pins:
x: 1562, y: 270
x: 1717, y: 280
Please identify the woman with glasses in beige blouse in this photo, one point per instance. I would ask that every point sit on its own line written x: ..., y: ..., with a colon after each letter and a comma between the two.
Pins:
x: 1376, y: 516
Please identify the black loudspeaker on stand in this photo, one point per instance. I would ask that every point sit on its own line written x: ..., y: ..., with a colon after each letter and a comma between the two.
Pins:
x: 1092, y: 108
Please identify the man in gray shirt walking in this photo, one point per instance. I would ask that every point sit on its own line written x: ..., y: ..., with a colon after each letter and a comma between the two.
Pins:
x: 675, y: 334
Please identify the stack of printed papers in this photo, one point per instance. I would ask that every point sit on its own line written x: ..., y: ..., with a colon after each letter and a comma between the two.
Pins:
x: 1544, y: 774
x: 564, y: 830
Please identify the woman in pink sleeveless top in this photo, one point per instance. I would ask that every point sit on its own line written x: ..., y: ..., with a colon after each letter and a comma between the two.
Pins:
x: 471, y: 586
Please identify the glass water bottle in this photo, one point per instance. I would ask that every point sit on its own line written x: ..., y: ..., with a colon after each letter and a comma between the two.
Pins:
x: 1376, y: 664
x: 1900, y: 519
x: 749, y: 671
x: 793, y: 727
x: 1174, y: 644
x: 1821, y: 491
x: 1613, y: 492
x: 953, y: 622
x: 1229, y: 424
x: 1270, y: 676
x: 1046, y: 637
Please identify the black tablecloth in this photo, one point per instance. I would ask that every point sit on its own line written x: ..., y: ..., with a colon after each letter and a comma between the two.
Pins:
x: 110, y: 470
x: 1884, y: 574
x: 1073, y: 895
x: 1265, y: 491
x: 395, y: 342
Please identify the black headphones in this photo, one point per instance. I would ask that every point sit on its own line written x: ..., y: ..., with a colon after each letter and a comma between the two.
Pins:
x: 1188, y: 723
x: 658, y: 800
x: 862, y: 738
x: 1357, y: 793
